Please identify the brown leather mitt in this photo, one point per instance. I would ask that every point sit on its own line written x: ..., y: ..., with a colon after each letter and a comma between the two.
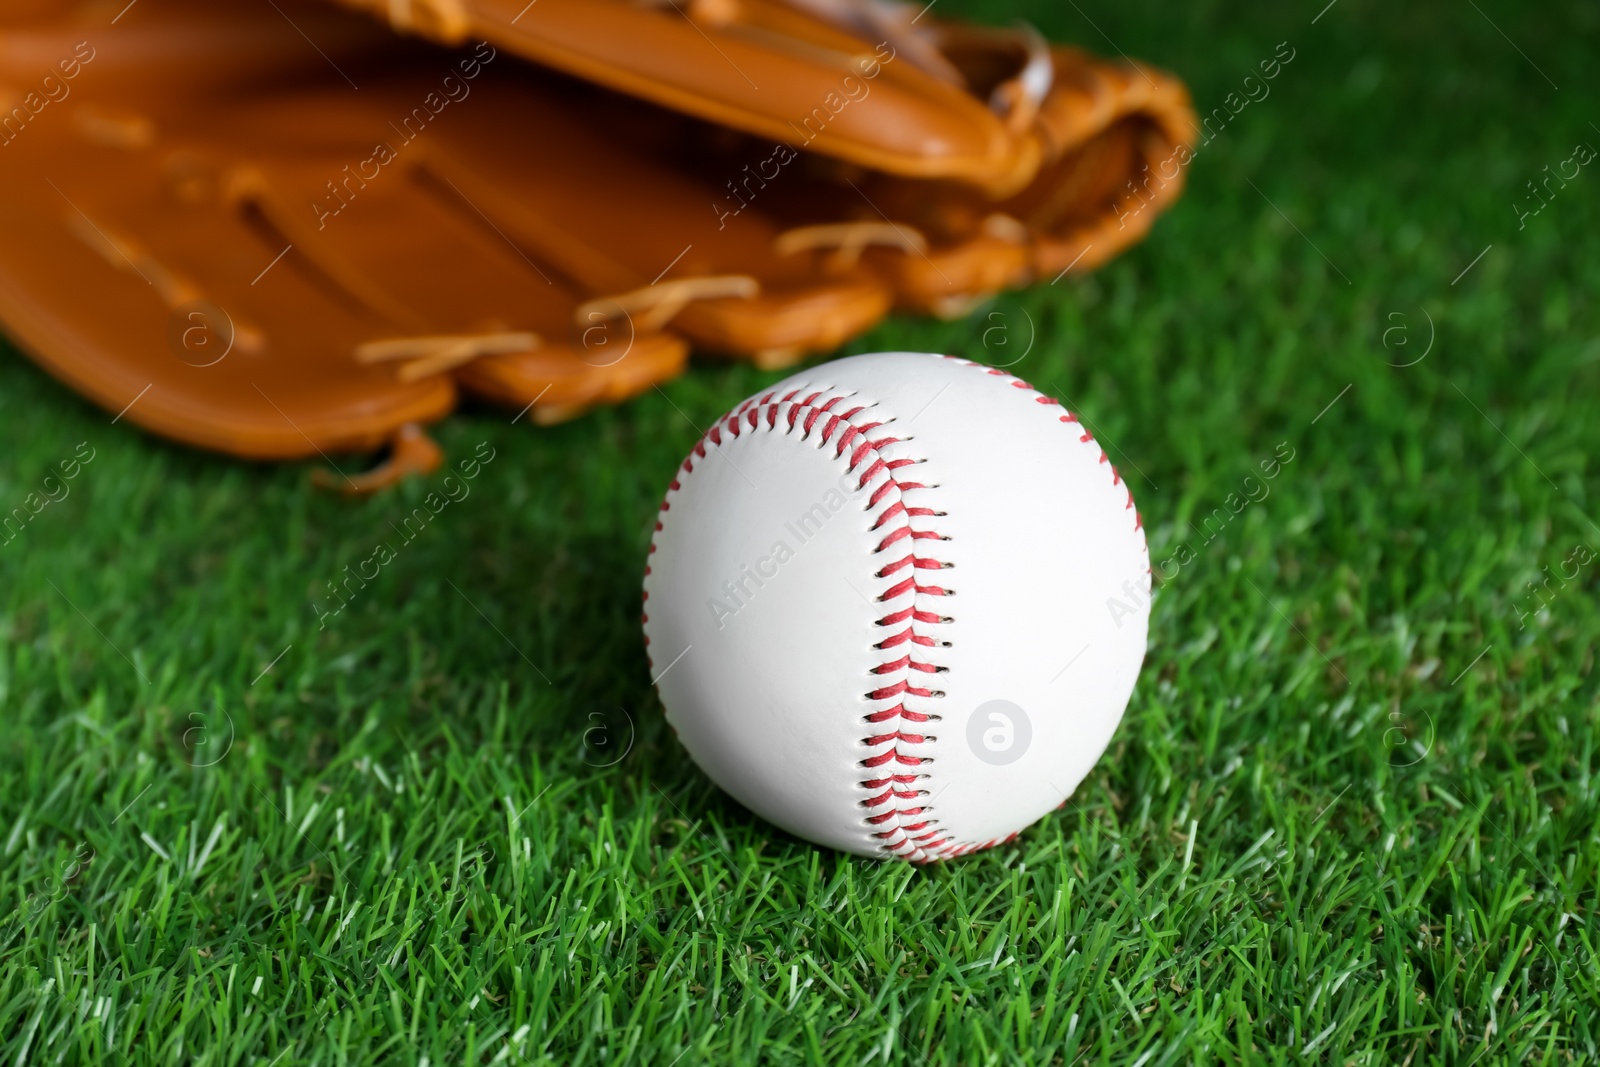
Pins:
x: 954, y: 160
x: 209, y: 229
x: 278, y: 230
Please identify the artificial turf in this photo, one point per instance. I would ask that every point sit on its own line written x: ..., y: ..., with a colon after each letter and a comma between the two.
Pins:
x: 1350, y: 815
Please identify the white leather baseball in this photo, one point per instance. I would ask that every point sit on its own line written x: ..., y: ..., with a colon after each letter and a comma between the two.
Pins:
x: 856, y: 564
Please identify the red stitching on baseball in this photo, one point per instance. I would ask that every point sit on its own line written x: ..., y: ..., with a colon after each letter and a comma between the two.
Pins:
x: 899, y: 711
x: 931, y: 845
x: 902, y: 637
x: 901, y: 778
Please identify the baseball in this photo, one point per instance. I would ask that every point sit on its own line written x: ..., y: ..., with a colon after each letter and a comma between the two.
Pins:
x: 897, y: 603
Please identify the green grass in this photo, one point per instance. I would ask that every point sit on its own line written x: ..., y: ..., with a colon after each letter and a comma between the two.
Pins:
x: 1350, y: 815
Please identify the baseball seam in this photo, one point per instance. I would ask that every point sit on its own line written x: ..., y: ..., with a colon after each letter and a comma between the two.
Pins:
x: 929, y: 844
x: 910, y: 833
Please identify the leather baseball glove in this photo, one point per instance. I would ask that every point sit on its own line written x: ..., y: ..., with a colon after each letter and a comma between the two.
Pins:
x: 955, y: 160
x: 278, y: 230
